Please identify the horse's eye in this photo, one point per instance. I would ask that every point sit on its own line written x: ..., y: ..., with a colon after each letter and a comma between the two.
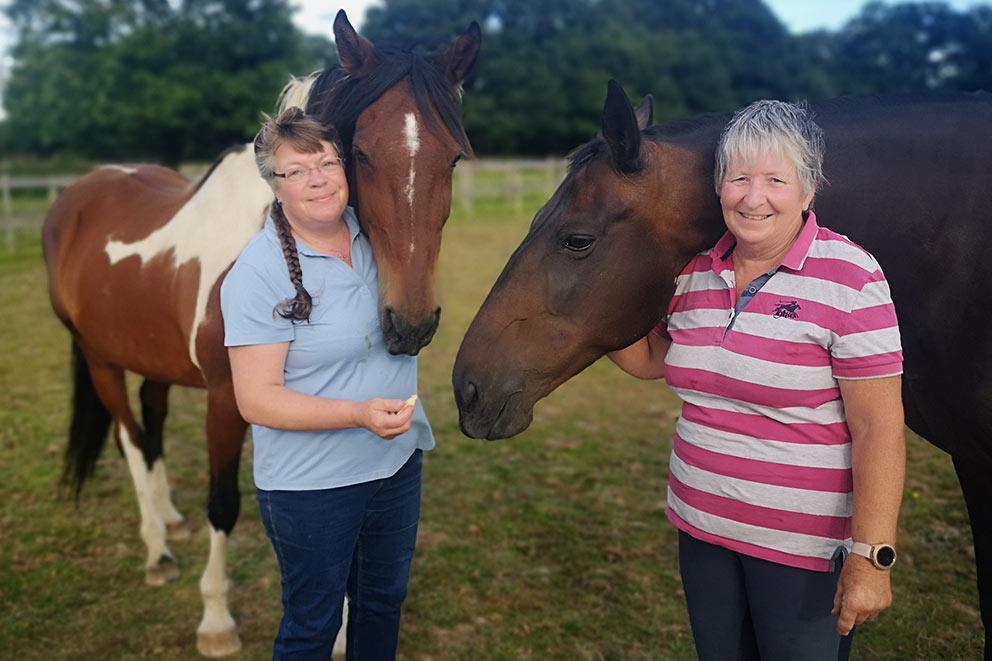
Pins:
x: 361, y: 157
x: 577, y: 242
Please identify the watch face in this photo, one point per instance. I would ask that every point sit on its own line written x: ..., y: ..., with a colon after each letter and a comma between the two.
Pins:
x: 885, y: 555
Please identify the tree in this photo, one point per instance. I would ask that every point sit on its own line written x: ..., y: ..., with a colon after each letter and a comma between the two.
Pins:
x: 150, y: 79
x: 540, y: 80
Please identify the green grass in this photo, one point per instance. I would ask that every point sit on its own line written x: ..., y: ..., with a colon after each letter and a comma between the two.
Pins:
x: 551, y: 545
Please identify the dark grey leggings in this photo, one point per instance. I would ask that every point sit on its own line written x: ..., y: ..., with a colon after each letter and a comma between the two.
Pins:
x: 749, y: 609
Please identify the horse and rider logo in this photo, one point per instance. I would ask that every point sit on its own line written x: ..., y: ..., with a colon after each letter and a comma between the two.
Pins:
x: 788, y: 310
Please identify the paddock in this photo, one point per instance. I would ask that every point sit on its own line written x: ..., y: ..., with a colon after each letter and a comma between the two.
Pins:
x: 551, y: 545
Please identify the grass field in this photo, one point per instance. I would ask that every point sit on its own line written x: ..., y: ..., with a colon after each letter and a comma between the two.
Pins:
x: 552, y: 545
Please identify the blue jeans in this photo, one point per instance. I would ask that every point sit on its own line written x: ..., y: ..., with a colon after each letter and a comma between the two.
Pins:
x: 744, y: 609
x: 358, y: 538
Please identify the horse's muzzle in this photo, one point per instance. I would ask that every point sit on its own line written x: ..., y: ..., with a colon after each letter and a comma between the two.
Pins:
x: 492, y: 414
x: 404, y: 337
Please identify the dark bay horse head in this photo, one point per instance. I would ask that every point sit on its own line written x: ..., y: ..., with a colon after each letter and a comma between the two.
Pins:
x: 593, y: 274
x: 399, y: 117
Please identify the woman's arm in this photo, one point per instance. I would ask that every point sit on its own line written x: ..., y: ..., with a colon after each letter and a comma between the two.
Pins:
x: 645, y: 358
x: 878, y: 462
x: 264, y: 399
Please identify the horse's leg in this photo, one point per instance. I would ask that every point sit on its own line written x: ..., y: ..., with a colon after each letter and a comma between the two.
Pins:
x: 108, y: 380
x: 217, y: 634
x: 977, y: 488
x: 154, y: 408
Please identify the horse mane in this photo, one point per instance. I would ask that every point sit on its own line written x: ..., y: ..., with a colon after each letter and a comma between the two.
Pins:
x: 233, y: 149
x: 296, y: 92
x: 339, y: 98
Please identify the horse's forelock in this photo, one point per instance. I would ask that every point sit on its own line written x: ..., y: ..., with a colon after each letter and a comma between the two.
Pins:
x: 338, y: 98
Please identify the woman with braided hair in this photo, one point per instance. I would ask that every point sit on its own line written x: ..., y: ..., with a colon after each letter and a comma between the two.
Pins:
x: 337, y: 450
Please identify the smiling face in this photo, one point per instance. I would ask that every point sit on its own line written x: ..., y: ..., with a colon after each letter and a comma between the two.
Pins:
x: 763, y: 201
x: 314, y: 190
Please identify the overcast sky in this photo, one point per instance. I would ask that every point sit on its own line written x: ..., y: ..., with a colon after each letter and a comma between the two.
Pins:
x: 316, y: 16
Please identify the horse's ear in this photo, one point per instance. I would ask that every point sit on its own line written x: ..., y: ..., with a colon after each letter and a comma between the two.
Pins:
x: 458, y: 60
x: 356, y: 53
x: 645, y: 112
x: 620, y: 130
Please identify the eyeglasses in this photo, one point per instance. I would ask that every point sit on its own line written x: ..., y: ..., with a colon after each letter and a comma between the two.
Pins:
x: 328, y: 166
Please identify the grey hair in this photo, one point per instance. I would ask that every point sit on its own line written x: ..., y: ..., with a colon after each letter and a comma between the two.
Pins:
x: 782, y: 128
x: 294, y: 127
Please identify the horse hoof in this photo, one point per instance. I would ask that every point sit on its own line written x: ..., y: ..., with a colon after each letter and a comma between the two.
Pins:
x: 178, y: 530
x: 166, y: 570
x: 221, y: 643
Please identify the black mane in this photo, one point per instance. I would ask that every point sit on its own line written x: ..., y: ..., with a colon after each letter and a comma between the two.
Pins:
x: 338, y: 98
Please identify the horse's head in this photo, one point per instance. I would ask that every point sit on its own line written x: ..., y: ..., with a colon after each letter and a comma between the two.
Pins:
x: 399, y: 116
x: 594, y: 273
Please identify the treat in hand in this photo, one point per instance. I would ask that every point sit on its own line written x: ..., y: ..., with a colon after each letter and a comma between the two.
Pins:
x: 411, y: 401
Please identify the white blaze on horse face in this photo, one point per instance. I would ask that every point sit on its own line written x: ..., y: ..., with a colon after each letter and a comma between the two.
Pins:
x: 211, y: 228
x: 412, y: 135
x: 152, y: 525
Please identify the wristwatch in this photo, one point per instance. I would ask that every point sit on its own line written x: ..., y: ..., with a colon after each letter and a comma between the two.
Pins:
x: 883, y: 556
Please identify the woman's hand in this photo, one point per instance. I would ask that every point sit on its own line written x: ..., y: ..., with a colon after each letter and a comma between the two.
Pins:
x: 387, y: 418
x: 863, y: 591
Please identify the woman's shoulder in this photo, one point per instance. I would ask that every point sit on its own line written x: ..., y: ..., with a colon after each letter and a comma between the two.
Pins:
x: 829, y: 244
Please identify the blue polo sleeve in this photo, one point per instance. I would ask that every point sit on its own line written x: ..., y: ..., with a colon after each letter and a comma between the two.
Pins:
x: 248, y: 300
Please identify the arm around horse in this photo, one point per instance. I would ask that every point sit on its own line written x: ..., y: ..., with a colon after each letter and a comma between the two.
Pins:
x: 645, y: 358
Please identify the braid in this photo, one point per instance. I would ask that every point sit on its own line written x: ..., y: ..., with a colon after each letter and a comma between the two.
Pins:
x: 296, y: 308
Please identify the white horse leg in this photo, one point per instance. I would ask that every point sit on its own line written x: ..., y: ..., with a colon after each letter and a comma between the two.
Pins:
x: 175, y: 524
x: 217, y: 634
x: 341, y: 643
x: 160, y: 565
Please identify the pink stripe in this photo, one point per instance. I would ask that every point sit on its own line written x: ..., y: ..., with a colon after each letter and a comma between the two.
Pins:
x: 724, y: 386
x: 839, y: 271
x: 698, y: 264
x: 751, y: 550
x: 806, y: 354
x: 869, y: 319
x: 832, y: 527
x: 868, y: 371
x: 760, y: 426
x: 706, y: 299
x: 837, y: 480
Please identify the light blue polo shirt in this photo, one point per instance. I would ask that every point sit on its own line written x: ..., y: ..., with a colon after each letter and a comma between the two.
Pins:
x: 340, y: 354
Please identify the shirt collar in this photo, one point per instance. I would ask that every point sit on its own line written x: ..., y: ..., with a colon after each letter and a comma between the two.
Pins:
x: 350, y: 219
x: 794, y: 259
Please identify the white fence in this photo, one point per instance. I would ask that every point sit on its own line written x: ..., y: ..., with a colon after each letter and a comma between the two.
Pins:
x: 512, y: 182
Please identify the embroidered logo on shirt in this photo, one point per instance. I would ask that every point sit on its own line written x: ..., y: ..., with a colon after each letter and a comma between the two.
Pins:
x: 788, y: 310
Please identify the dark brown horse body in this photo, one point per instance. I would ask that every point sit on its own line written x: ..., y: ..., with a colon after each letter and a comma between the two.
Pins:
x: 136, y: 256
x: 908, y: 181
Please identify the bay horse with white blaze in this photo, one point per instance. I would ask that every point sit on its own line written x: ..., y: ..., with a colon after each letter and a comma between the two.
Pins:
x: 596, y: 271
x: 136, y: 256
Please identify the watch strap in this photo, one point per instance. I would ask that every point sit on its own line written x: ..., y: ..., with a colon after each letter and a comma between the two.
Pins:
x: 862, y: 549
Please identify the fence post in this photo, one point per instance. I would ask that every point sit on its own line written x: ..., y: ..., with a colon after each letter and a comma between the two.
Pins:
x: 8, y: 212
x: 466, y: 189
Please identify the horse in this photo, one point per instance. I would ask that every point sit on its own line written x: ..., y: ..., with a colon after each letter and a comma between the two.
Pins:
x: 136, y: 255
x: 597, y: 268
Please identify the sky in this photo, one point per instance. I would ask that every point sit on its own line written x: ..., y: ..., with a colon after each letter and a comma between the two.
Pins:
x: 317, y: 16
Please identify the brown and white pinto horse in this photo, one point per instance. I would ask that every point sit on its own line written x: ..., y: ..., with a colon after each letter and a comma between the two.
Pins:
x: 908, y: 182
x: 136, y: 256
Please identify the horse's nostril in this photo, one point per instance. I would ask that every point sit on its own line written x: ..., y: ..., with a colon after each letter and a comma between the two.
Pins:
x: 470, y: 396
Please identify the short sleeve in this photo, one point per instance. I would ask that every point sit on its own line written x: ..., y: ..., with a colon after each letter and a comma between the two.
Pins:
x: 248, y: 300
x: 867, y: 344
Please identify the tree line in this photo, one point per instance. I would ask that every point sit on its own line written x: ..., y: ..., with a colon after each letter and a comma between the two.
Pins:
x: 175, y: 80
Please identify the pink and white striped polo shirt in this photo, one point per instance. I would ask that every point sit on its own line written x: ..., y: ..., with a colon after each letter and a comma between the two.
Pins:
x: 761, y: 460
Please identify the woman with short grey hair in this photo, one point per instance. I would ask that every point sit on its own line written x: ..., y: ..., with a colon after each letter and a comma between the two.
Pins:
x: 783, y: 344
